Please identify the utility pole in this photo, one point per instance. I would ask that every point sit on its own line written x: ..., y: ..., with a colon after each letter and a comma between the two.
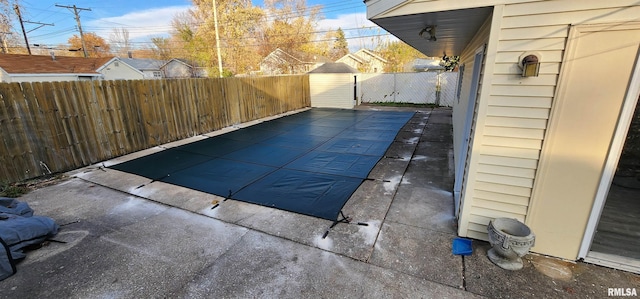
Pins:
x: 24, y: 33
x: 75, y: 12
x: 215, y: 24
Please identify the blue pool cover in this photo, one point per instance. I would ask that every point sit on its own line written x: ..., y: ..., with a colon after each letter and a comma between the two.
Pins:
x: 309, y: 163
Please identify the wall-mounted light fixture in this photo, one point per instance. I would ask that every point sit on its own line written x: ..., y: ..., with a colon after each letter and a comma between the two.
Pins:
x: 530, y: 64
x: 431, y: 30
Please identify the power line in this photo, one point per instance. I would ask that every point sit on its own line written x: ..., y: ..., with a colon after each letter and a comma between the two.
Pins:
x: 24, y: 33
x: 75, y: 12
x: 248, y: 45
x: 269, y: 16
x: 330, y: 7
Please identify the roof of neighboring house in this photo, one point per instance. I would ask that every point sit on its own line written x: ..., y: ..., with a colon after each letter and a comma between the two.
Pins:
x: 46, y: 64
x: 144, y: 64
x: 186, y: 62
x: 310, y: 58
x: 334, y: 67
x: 297, y: 57
x: 351, y: 56
x: 370, y: 53
x: 423, y: 64
x: 359, y: 56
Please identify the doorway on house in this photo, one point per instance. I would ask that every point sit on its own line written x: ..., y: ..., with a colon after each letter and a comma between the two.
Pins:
x: 617, y: 236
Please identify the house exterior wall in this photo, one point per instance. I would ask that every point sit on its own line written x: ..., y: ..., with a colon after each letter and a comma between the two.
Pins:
x: 270, y: 65
x: 349, y: 61
x: 584, y: 120
x: 49, y: 78
x: 117, y: 70
x: 373, y: 63
x: 376, y: 66
x: 462, y: 102
x: 368, y: 64
x: 332, y: 90
x: 153, y: 74
x: 4, y: 76
x: 176, y: 69
x: 461, y: 105
x: 513, y: 115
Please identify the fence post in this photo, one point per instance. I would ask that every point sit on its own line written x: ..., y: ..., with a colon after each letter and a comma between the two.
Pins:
x: 438, y: 88
x: 395, y: 87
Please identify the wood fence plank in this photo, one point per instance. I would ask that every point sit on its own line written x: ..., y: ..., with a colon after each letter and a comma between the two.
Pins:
x: 48, y: 128
x: 39, y: 128
x: 115, y: 106
x: 106, y: 112
x: 11, y: 171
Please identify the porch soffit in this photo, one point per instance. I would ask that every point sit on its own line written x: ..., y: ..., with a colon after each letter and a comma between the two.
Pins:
x: 454, y: 29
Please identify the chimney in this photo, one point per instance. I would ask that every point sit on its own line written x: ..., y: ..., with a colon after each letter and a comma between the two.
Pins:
x: 53, y: 55
x: 129, y: 54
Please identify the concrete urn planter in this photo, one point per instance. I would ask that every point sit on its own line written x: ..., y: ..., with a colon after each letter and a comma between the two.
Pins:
x: 510, y: 240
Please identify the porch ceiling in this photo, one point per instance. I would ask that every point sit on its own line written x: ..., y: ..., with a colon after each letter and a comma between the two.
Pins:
x: 455, y: 29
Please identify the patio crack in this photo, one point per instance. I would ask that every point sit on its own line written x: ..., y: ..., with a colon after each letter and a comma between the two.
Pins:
x: 464, y: 271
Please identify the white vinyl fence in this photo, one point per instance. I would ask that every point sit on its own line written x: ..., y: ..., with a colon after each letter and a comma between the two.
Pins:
x: 417, y: 88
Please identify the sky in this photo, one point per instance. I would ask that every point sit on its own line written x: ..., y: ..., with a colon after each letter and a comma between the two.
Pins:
x: 152, y: 18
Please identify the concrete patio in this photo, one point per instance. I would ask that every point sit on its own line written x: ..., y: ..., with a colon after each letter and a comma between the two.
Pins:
x: 123, y: 236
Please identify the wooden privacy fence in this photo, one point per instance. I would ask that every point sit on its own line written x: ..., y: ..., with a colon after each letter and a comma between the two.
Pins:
x: 49, y: 127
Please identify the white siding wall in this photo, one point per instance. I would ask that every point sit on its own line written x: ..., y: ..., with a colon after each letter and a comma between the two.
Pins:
x: 332, y: 90
x: 4, y: 77
x: 461, y: 104
x: 175, y: 69
x: 349, y: 61
x: 117, y: 70
x: 51, y: 78
x: 153, y: 74
x: 513, y: 114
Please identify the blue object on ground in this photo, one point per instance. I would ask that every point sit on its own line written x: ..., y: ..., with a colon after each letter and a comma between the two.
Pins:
x: 19, y: 228
x: 462, y: 246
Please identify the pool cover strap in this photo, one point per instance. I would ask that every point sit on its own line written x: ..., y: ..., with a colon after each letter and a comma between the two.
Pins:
x: 344, y: 219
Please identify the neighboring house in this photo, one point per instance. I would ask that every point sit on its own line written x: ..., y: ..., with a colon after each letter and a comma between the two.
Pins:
x: 41, y: 68
x: 149, y: 67
x: 542, y: 149
x: 333, y: 85
x: 280, y: 62
x: 424, y: 65
x: 182, y: 68
x: 365, y: 61
x: 115, y: 69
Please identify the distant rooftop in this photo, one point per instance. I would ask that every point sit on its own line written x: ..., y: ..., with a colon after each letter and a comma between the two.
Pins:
x: 334, y: 67
x: 144, y: 64
x: 46, y: 64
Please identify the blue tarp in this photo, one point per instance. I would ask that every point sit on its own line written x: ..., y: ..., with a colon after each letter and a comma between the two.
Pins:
x: 20, y: 228
x: 309, y: 163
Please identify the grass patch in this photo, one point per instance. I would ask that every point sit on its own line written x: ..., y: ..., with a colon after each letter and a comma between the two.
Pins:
x: 398, y: 104
x: 17, y: 189
x: 12, y: 190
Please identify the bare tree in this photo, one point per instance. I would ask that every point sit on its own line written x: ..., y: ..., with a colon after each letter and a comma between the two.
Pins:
x: 120, y: 42
x: 162, y: 48
x: 8, y: 39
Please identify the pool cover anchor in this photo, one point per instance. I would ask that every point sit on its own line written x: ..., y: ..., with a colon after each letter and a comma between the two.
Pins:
x: 216, y: 203
x: 345, y: 219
